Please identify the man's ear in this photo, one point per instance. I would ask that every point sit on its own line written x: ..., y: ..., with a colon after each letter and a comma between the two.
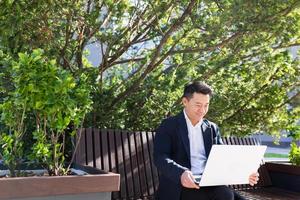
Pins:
x: 184, y: 101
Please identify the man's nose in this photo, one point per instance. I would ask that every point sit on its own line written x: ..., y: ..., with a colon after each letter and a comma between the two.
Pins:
x: 201, y: 109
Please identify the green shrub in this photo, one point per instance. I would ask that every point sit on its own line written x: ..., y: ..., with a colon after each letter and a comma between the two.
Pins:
x: 294, y: 154
x: 50, y: 101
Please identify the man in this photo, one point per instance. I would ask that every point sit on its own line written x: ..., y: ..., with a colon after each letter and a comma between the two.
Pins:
x: 181, y: 147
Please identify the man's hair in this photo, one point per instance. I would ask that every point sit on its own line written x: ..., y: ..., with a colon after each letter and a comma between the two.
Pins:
x: 196, y: 87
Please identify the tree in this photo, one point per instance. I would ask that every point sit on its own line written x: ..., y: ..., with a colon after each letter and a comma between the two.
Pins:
x: 150, y: 48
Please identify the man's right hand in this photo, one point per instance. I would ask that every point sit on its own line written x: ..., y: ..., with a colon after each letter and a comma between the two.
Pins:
x: 188, y: 180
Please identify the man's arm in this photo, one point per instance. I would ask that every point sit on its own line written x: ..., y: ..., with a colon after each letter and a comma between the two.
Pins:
x: 217, y: 139
x: 162, y: 153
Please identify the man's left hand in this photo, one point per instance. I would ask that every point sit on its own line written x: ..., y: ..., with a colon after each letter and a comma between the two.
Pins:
x: 253, y: 179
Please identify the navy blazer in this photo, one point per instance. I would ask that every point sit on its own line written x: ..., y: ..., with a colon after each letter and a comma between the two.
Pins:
x: 172, y: 153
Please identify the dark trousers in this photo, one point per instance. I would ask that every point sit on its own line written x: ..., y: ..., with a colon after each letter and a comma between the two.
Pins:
x: 210, y: 193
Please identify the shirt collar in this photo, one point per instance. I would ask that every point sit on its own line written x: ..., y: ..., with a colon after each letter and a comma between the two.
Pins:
x: 188, y: 121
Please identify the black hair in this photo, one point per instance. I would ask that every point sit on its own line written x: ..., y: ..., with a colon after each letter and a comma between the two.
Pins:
x: 196, y: 87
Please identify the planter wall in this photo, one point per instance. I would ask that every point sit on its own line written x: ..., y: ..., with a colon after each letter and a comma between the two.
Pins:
x: 86, y: 196
x: 284, y: 175
x: 87, y: 187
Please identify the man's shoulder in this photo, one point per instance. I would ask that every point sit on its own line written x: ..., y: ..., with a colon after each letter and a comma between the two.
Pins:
x: 171, y: 120
x: 209, y: 123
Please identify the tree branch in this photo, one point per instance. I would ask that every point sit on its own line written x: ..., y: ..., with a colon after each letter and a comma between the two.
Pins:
x: 127, y: 61
x: 288, y: 100
x: 124, y: 47
x: 220, y: 45
x: 67, y: 40
x: 296, y: 44
x: 285, y: 11
x: 156, y: 54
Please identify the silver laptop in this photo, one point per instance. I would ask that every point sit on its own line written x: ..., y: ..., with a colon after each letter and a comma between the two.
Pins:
x: 231, y: 164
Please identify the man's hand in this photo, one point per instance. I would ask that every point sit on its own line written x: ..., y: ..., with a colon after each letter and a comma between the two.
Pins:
x: 253, y: 179
x: 188, y: 180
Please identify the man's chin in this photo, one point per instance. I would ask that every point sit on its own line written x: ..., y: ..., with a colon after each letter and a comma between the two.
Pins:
x: 200, y: 118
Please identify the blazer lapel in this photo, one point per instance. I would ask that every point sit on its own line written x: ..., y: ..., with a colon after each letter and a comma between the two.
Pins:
x: 207, y: 137
x: 183, y: 132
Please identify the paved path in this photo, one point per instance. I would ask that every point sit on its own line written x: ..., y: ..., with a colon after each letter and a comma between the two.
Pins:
x: 278, y: 150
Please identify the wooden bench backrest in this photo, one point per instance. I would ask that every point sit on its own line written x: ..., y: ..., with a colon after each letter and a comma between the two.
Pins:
x: 123, y: 152
x: 130, y: 154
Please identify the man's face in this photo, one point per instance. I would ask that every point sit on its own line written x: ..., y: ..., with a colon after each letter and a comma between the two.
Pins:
x: 196, y: 107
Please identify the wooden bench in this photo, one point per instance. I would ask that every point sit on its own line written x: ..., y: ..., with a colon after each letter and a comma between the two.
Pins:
x: 130, y: 154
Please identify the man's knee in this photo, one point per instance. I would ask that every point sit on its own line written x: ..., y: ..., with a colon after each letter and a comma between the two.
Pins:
x: 223, y: 193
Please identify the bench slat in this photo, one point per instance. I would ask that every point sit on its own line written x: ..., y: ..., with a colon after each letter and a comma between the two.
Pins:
x: 132, y: 170
x: 89, y: 147
x: 154, y: 171
x: 146, y: 163
x: 139, y: 165
x: 105, y: 149
x: 80, y: 156
x: 97, y: 149
x: 121, y: 165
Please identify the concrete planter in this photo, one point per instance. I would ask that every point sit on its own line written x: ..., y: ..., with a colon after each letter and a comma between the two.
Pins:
x: 284, y: 175
x: 88, y: 187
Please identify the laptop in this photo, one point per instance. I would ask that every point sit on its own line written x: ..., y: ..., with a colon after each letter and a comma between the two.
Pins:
x: 231, y: 164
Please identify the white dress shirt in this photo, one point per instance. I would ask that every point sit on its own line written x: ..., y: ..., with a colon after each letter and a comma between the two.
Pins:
x: 197, y: 150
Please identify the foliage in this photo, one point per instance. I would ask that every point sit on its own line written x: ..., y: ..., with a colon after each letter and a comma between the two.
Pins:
x: 12, y: 152
x: 147, y: 50
x: 47, y: 111
x: 294, y: 154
